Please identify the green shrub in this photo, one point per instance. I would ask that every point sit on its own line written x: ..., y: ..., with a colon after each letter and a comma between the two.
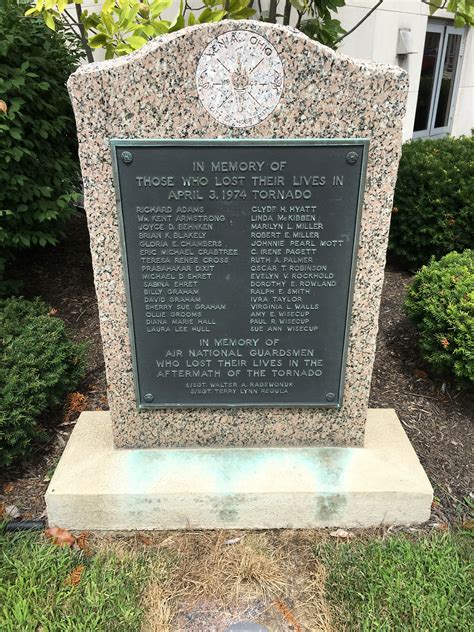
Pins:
x: 434, y: 200
x: 38, y: 366
x: 441, y: 302
x: 38, y: 149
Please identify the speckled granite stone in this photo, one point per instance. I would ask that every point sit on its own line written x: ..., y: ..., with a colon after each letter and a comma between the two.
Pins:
x: 152, y: 94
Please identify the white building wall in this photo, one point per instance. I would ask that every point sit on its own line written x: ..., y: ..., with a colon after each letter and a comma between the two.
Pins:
x: 376, y: 39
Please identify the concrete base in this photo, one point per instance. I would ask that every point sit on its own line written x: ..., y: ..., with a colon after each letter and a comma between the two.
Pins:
x: 98, y: 487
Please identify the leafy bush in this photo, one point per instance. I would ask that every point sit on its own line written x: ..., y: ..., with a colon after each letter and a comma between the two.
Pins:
x: 441, y: 302
x: 38, y: 150
x: 434, y: 200
x: 123, y: 26
x: 38, y: 366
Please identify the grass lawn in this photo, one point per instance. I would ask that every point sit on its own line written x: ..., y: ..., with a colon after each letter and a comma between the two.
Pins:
x: 286, y: 580
x: 37, y: 590
x: 400, y: 584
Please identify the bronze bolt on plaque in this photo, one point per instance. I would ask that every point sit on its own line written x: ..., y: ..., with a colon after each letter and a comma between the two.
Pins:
x: 239, y: 258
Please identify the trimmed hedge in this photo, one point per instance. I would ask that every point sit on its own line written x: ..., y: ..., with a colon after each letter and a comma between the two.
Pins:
x: 39, y: 172
x: 433, y: 210
x: 440, y: 300
x: 39, y: 365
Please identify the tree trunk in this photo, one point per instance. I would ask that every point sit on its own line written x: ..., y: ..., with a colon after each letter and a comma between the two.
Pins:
x: 85, y: 45
x: 287, y: 13
x: 272, y: 15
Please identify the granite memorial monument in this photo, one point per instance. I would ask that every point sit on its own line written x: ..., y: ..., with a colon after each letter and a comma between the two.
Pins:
x: 238, y: 180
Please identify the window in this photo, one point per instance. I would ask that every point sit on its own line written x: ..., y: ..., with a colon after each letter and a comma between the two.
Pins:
x: 438, y: 81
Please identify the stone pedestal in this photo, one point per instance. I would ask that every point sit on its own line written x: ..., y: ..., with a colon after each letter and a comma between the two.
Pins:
x: 98, y: 487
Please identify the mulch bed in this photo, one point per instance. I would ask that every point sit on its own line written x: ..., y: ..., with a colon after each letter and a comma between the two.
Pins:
x: 437, y: 418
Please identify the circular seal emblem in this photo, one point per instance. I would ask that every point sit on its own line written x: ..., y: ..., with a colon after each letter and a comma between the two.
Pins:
x: 239, y: 78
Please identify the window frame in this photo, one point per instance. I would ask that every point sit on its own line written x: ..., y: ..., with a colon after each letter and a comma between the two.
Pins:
x: 445, y: 29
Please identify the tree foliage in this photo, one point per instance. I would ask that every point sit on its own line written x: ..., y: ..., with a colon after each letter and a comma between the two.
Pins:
x: 463, y: 10
x: 122, y: 26
x: 315, y: 18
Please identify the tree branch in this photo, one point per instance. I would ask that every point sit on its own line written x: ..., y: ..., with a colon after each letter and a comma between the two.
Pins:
x: 68, y: 23
x: 431, y: 4
x: 71, y: 21
x: 300, y: 17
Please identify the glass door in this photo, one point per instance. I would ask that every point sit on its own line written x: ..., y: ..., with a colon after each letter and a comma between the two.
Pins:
x: 438, y: 80
x: 447, y: 80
